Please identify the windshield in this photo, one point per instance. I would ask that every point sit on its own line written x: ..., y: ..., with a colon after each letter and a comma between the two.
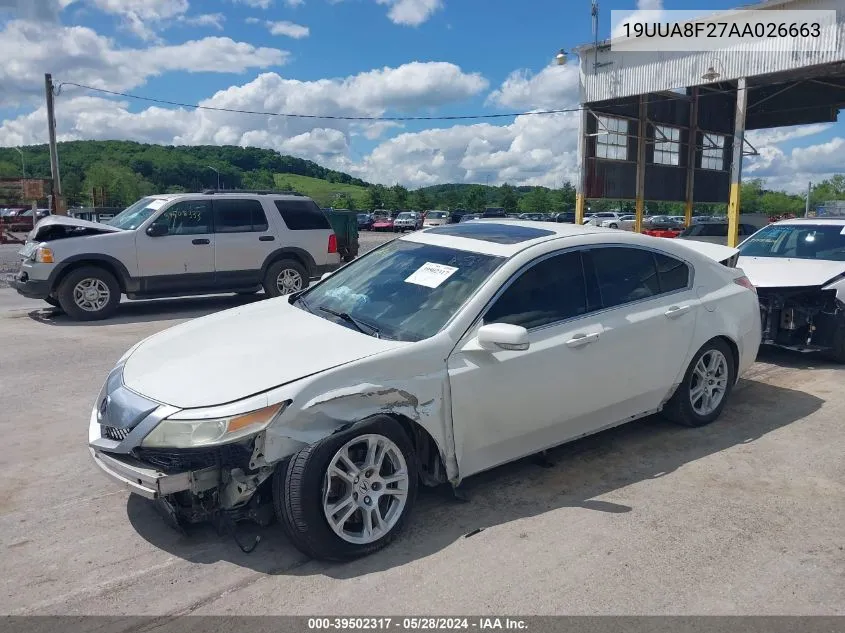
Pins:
x: 406, y: 291
x: 798, y: 241
x: 437, y: 214
x: 403, y: 216
x: 132, y: 217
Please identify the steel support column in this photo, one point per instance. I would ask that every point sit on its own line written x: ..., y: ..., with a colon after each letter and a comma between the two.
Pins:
x: 580, y: 194
x: 736, y: 163
x: 641, y: 142
x: 693, y: 142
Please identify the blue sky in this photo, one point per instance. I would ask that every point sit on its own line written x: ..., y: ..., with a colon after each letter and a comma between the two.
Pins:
x: 352, y: 57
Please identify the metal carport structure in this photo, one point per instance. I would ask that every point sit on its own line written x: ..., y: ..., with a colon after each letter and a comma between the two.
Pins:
x: 665, y: 126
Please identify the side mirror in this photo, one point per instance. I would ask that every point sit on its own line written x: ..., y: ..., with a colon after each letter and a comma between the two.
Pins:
x: 157, y: 230
x: 502, y: 336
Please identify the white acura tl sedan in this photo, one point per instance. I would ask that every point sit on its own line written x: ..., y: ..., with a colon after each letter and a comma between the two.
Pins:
x: 437, y: 356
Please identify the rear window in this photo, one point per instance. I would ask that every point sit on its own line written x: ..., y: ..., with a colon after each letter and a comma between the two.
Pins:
x: 239, y: 216
x: 491, y: 232
x: 302, y: 215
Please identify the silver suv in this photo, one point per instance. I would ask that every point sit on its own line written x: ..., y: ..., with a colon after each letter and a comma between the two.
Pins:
x: 175, y: 245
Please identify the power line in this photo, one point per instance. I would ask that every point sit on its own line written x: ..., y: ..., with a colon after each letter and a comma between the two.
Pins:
x: 460, y: 117
x: 320, y: 116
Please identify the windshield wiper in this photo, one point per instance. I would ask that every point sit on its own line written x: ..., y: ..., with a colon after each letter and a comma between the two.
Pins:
x: 301, y: 301
x: 359, y: 325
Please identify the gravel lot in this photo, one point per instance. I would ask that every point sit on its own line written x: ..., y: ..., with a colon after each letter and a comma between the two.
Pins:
x: 744, y: 516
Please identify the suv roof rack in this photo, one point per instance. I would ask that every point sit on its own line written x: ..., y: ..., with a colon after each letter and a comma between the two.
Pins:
x: 263, y: 192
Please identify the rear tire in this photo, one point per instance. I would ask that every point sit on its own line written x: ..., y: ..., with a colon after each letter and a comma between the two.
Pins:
x: 89, y: 293
x: 284, y: 277
x: 305, y: 492
x: 705, y: 388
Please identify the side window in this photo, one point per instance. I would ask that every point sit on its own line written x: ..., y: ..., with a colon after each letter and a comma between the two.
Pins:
x: 624, y: 275
x: 239, y: 216
x: 192, y: 217
x: 302, y: 215
x: 673, y: 274
x: 715, y: 229
x: 746, y: 229
x: 549, y: 291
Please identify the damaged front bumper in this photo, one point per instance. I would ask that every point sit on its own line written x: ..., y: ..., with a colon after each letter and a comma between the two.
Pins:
x: 801, y: 319
x: 149, y: 482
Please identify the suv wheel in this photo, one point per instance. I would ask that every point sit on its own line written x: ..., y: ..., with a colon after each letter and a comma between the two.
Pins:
x: 89, y: 293
x: 284, y: 277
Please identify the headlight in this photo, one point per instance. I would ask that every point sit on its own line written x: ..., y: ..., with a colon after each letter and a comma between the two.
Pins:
x: 44, y: 255
x: 211, y: 432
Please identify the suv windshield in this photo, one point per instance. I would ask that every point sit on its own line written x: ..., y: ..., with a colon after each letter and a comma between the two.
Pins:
x: 403, y: 291
x: 403, y: 216
x: 798, y: 241
x: 132, y: 217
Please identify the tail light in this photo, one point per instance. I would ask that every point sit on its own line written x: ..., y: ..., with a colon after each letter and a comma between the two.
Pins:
x: 332, y: 243
x: 745, y: 282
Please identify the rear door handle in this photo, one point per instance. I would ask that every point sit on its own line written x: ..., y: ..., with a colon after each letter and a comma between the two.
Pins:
x: 266, y: 238
x: 579, y: 340
x: 676, y: 311
x: 200, y: 241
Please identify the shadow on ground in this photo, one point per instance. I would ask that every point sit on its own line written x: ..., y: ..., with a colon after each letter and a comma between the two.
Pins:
x: 150, y: 310
x: 581, y: 471
x: 794, y: 360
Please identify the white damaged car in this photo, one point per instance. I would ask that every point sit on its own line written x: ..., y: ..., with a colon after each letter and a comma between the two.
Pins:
x: 798, y: 267
x: 439, y: 355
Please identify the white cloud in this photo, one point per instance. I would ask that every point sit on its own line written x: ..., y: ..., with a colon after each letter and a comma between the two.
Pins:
x: 553, y: 88
x: 409, y: 87
x: 289, y: 29
x: 411, y: 12
x: 255, y: 4
x: 764, y: 138
x: 37, y: 10
x: 205, y: 19
x: 80, y: 55
x: 294, y: 3
x: 533, y: 150
x: 143, y: 17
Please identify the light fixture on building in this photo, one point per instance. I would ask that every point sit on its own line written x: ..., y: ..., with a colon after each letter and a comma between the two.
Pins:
x: 711, y: 75
x: 560, y: 58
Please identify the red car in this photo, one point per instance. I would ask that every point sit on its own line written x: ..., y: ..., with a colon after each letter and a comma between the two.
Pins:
x: 383, y: 224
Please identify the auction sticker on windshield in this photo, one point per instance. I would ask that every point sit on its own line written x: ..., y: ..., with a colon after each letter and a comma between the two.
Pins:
x: 431, y: 275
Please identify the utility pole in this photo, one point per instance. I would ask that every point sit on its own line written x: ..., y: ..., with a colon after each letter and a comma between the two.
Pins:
x: 807, y: 203
x: 58, y: 199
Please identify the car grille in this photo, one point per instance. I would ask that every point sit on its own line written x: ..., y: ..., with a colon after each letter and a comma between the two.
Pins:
x: 171, y: 460
x: 114, y: 433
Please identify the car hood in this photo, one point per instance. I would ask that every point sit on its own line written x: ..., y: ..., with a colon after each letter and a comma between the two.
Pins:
x: 784, y: 272
x: 53, y: 225
x: 240, y: 352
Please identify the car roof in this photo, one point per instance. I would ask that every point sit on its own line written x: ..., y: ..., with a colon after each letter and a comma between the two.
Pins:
x: 443, y: 235
x: 810, y: 221
x: 225, y: 194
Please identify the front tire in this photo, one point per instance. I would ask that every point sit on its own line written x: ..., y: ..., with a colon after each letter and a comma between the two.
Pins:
x: 89, y: 293
x: 349, y: 494
x: 705, y: 388
x: 284, y: 277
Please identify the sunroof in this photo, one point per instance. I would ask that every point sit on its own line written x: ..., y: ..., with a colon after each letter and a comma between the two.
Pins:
x: 488, y: 231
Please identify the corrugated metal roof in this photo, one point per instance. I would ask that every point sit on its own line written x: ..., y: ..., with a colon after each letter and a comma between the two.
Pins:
x: 629, y: 73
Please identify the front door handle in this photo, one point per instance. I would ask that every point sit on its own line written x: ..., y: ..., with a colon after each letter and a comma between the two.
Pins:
x: 579, y: 340
x: 266, y: 238
x: 200, y: 241
x: 676, y: 311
